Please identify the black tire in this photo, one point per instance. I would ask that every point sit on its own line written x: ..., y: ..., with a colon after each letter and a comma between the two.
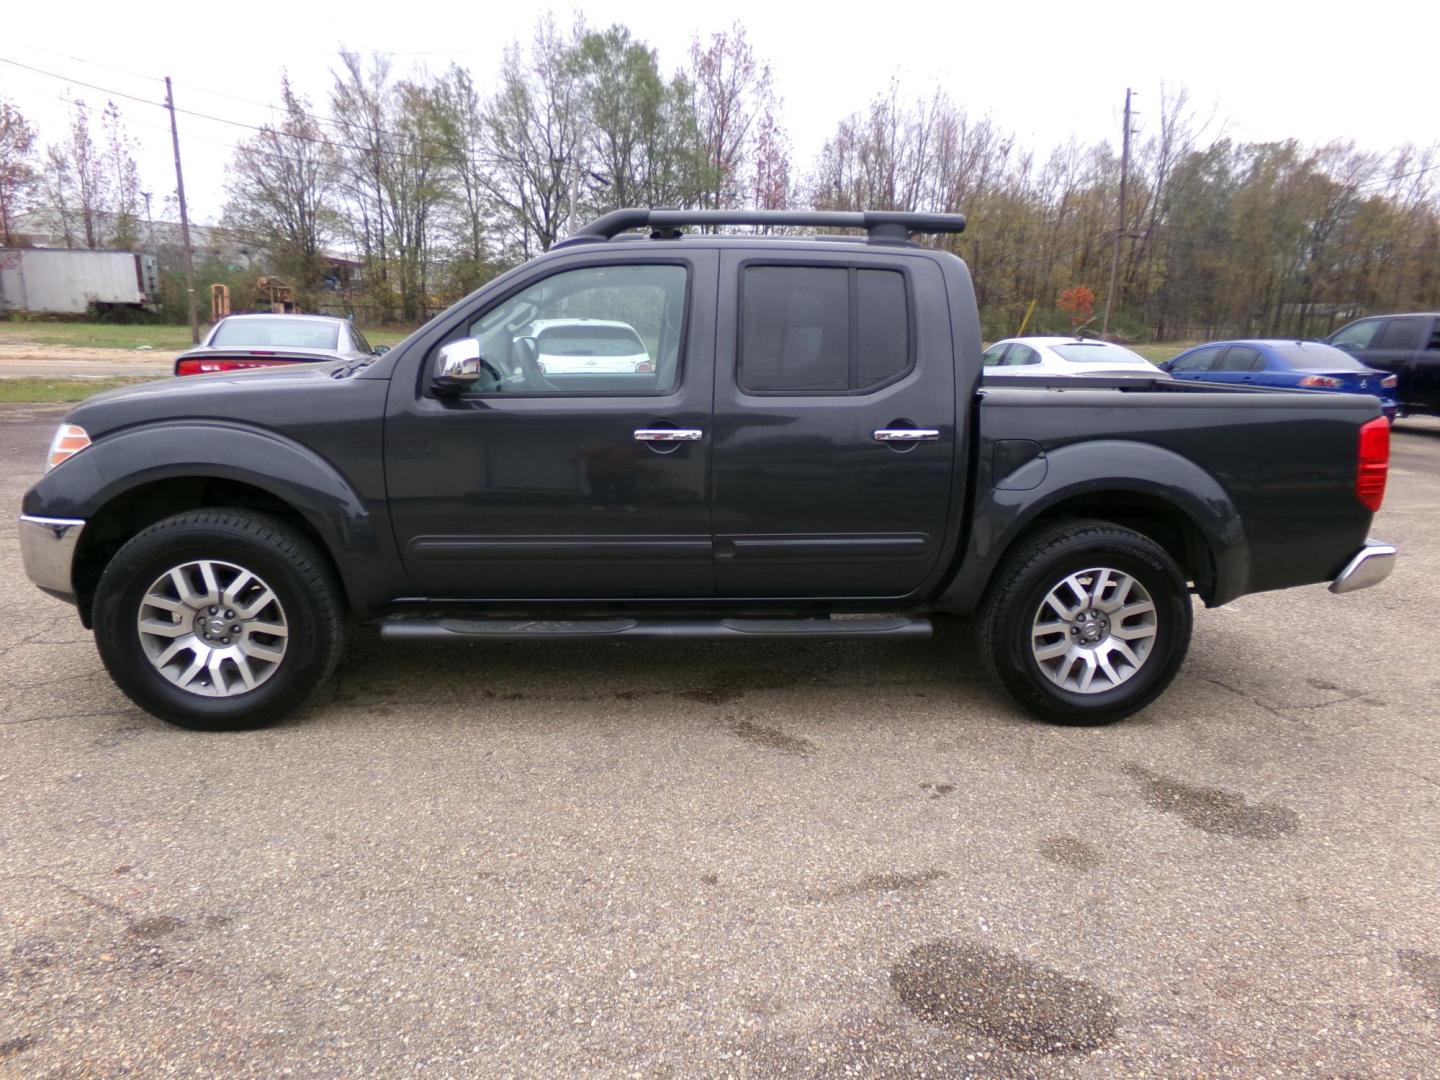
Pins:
x: 1013, y: 606
x: 296, y: 574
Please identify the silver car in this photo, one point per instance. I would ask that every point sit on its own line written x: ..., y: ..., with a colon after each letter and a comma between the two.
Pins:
x: 1064, y: 356
x: 246, y: 341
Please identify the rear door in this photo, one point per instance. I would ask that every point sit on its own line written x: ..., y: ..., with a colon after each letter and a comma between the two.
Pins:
x: 1238, y: 364
x: 1425, y: 370
x: 835, y: 424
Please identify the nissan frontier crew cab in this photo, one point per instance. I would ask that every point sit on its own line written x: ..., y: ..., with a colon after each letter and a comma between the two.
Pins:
x: 807, y: 452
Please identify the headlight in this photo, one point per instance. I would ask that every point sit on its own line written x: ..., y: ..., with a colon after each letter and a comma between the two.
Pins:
x: 69, y: 440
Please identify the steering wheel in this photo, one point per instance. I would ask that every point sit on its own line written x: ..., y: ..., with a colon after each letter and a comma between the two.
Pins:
x: 527, y: 361
x: 494, y: 372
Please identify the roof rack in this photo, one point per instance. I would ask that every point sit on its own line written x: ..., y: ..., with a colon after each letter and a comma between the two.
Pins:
x: 881, y: 226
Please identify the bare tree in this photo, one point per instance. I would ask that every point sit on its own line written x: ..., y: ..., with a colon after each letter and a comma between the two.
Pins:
x: 645, y: 146
x: 772, y: 188
x: 17, y: 169
x: 281, y: 187
x: 56, y: 184
x: 732, y: 89
x: 121, y: 183
x: 84, y: 176
x: 536, y: 140
x: 358, y: 102
x: 412, y: 182
x: 460, y: 120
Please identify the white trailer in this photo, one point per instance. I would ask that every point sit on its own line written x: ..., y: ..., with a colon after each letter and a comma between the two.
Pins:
x: 57, y: 281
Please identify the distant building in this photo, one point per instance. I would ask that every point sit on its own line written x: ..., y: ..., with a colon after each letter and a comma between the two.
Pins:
x: 43, y: 229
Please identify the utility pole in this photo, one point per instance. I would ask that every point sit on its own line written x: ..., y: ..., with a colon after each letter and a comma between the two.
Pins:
x: 184, y: 219
x: 1120, y: 226
x: 574, y: 194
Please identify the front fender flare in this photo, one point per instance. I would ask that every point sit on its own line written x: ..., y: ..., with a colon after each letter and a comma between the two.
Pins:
x: 128, y: 460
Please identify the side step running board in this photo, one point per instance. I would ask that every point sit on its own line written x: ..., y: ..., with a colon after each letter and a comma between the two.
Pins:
x: 457, y: 629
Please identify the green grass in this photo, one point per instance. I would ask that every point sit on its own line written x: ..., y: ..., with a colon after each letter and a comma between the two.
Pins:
x: 391, y: 335
x: 95, y: 335
x: 33, y: 391
x: 1159, y: 353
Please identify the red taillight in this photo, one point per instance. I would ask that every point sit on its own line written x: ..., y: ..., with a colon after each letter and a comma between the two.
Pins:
x: 209, y: 367
x: 1323, y: 381
x: 1389, y: 382
x: 644, y: 367
x: 1373, y: 464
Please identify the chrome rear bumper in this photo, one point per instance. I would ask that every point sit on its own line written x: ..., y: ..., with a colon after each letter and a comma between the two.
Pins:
x: 47, y: 546
x: 1369, y: 566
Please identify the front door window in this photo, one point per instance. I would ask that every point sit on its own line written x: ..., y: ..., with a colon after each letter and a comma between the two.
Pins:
x: 610, y: 330
x: 1356, y: 336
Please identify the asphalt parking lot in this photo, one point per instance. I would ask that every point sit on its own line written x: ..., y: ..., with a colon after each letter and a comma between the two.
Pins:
x: 753, y: 860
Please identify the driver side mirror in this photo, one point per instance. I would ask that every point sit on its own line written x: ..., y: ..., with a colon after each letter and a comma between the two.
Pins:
x: 459, y: 365
x: 380, y: 350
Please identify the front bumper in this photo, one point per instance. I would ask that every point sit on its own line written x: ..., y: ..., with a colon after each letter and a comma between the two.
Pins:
x: 47, y: 546
x: 1369, y: 566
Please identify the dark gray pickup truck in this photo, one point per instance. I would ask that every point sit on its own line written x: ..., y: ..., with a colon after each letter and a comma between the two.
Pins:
x: 805, y: 449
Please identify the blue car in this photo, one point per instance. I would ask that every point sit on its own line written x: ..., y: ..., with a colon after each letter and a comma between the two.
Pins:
x: 1294, y: 365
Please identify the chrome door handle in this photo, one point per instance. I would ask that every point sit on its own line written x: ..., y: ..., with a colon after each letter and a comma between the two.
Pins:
x: 668, y: 434
x: 922, y: 434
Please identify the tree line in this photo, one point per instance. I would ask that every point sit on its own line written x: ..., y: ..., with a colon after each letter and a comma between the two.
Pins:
x: 436, y: 185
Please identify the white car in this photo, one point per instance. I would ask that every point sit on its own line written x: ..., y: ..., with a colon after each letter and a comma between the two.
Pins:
x: 1064, y: 356
x: 588, y: 347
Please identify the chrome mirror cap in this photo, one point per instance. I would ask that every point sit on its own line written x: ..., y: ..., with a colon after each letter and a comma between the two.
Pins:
x: 459, y: 364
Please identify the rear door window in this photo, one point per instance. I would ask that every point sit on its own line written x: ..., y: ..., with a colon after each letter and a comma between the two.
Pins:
x: 882, y: 324
x: 1400, y: 334
x: 822, y: 329
x: 1241, y: 358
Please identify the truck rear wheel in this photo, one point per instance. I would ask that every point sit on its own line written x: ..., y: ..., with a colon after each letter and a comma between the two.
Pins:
x: 1086, y: 622
x: 218, y: 620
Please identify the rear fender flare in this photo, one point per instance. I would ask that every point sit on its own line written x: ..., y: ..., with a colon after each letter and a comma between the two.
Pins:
x: 1102, y: 467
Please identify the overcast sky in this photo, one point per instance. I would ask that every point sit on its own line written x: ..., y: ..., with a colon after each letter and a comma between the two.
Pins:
x: 1046, y: 71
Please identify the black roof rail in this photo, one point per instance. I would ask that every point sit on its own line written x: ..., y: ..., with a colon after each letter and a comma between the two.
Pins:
x: 880, y: 225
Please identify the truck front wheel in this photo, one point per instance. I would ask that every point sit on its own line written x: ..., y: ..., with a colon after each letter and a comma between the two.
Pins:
x: 218, y: 619
x: 1086, y: 622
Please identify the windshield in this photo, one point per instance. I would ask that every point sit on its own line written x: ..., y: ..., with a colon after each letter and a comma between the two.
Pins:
x: 590, y: 341
x: 1098, y: 352
x: 1314, y: 357
x: 279, y: 331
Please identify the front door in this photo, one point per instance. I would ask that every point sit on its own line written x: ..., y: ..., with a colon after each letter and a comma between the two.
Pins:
x: 835, y: 425
x: 577, y: 466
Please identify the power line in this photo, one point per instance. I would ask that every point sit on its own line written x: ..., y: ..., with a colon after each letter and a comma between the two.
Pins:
x: 81, y: 82
x: 400, y: 154
x: 131, y: 122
